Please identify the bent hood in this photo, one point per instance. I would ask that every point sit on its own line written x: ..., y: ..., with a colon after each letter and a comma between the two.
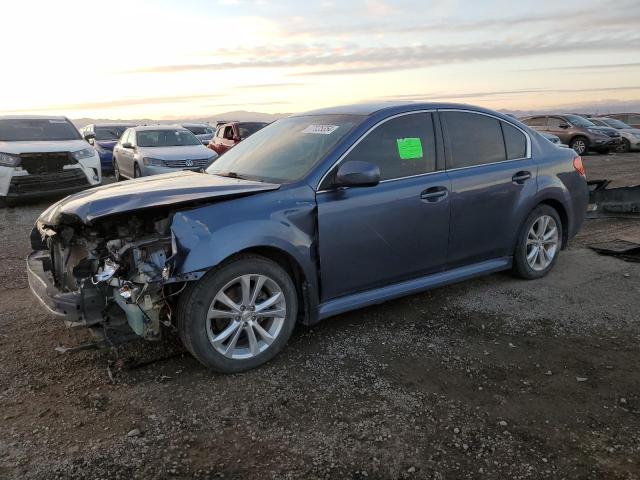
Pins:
x: 159, y: 190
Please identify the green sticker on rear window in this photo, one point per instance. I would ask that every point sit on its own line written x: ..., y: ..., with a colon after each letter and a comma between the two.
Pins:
x: 409, y: 148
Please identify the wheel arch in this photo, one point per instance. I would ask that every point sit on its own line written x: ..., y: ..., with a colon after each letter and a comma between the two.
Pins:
x: 564, y: 217
x: 289, y: 263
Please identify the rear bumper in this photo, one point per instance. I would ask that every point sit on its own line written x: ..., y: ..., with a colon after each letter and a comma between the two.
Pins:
x: 106, y: 161
x: 82, y: 308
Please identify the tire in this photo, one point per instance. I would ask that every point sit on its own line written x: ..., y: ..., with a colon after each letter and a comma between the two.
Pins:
x: 199, y: 334
x: 580, y: 145
x: 624, y: 147
x: 136, y: 171
x: 116, y: 170
x: 529, y: 239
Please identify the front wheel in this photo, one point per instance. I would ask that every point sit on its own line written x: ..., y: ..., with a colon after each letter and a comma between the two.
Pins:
x: 136, y: 171
x: 116, y: 170
x: 580, y: 145
x: 239, y: 315
x: 539, y: 243
x: 625, y: 146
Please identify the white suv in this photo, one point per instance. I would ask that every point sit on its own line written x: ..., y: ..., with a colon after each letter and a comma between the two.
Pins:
x: 44, y: 155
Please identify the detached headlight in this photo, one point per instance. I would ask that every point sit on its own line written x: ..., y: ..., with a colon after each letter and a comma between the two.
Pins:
x: 84, y: 153
x: 153, y: 162
x: 9, y: 160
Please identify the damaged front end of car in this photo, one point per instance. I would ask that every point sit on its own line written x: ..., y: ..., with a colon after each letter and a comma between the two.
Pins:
x: 113, y: 276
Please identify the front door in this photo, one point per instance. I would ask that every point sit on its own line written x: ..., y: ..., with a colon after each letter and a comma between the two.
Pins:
x: 493, y: 179
x: 394, y: 231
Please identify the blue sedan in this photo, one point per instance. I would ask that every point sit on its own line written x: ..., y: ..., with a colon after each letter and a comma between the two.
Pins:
x: 314, y: 215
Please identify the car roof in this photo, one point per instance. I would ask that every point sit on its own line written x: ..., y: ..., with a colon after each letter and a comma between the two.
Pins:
x: 113, y: 124
x: 33, y: 117
x: 195, y: 125
x: 140, y: 128
x: 391, y: 107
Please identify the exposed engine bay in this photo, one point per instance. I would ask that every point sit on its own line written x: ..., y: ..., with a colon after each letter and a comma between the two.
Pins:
x: 120, y: 269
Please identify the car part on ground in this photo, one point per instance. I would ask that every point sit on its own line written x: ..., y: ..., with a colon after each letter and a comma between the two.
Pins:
x: 313, y: 216
x: 624, y: 249
x: 41, y: 156
x: 612, y: 202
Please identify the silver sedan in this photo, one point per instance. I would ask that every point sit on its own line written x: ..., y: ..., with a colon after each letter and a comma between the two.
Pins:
x: 155, y: 149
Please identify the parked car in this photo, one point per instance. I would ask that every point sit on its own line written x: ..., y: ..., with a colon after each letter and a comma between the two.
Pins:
x: 202, y: 131
x: 312, y: 216
x: 577, y: 132
x: 630, y: 135
x: 552, y: 138
x: 154, y: 149
x: 42, y: 155
x: 104, y: 136
x: 230, y: 134
x: 631, y: 119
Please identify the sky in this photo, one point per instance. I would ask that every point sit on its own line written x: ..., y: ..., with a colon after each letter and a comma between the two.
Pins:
x: 176, y: 59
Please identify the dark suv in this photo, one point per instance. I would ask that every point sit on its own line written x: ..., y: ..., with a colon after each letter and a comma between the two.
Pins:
x: 579, y: 133
x: 312, y: 216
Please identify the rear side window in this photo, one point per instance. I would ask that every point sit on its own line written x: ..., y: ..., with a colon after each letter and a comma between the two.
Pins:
x: 474, y: 139
x: 401, y: 147
x: 514, y: 141
x: 556, y: 122
x: 535, y: 121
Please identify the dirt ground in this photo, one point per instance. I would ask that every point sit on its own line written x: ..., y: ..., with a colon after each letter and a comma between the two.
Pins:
x: 493, y: 378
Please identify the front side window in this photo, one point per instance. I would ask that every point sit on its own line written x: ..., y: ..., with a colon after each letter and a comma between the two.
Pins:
x: 166, y: 138
x: 612, y: 122
x: 474, y: 139
x: 400, y: 147
x: 26, y: 130
x: 579, y: 121
x: 285, y: 150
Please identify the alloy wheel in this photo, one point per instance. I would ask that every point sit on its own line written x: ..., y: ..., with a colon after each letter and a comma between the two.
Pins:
x: 246, y: 316
x: 542, y: 243
x: 579, y: 146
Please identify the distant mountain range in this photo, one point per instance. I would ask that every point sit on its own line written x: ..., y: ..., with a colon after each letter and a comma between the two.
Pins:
x: 238, y: 115
x: 601, y: 107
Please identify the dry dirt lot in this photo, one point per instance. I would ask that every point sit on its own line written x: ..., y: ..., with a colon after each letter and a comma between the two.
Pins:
x: 492, y: 378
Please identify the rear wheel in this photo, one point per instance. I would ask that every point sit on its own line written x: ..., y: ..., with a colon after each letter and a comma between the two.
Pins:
x: 239, y: 315
x: 580, y: 145
x: 539, y: 243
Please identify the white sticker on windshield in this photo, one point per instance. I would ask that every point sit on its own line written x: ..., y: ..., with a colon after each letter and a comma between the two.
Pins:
x: 321, y: 129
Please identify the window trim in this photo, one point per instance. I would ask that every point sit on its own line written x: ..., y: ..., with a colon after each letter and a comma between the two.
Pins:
x: 365, y: 135
x: 526, y: 135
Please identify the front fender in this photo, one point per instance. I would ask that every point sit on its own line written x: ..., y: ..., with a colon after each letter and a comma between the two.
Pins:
x: 284, y: 219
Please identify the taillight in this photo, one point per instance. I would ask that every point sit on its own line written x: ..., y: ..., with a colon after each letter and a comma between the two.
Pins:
x: 577, y: 164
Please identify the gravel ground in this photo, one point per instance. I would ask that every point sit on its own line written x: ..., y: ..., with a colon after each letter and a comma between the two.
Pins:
x: 491, y: 378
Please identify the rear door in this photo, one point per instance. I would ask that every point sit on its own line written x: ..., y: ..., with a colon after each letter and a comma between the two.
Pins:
x: 493, y: 178
x: 397, y: 230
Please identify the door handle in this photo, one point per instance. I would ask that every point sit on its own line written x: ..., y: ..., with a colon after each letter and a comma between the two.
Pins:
x: 434, y: 194
x: 521, y: 177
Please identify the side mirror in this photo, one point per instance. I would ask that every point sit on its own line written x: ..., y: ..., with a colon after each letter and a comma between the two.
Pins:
x: 564, y: 125
x: 127, y: 145
x: 236, y: 138
x: 358, y: 174
x: 90, y: 137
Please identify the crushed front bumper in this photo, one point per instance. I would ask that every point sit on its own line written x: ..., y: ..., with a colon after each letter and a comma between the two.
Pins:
x: 78, y: 309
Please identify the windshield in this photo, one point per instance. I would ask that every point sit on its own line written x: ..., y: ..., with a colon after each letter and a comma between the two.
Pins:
x: 285, y: 150
x: 199, y: 130
x: 579, y: 121
x: 612, y: 122
x: 248, y: 129
x: 166, y: 138
x: 109, y: 133
x: 24, y: 130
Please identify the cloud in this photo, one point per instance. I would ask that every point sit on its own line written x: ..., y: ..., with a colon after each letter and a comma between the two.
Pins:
x: 121, y: 103
x: 354, y: 60
x: 610, y: 66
